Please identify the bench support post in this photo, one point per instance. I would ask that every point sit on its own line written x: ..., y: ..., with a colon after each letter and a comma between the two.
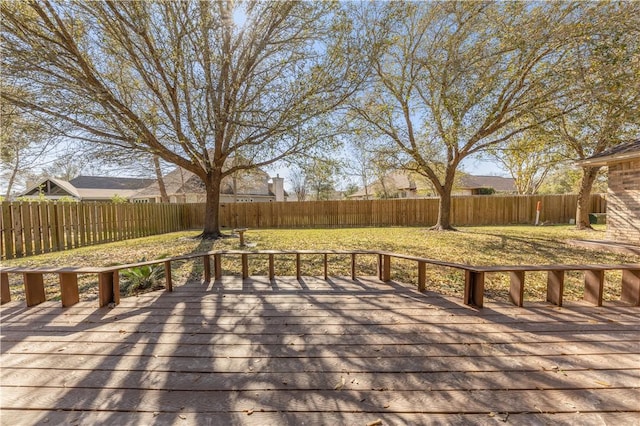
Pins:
x: 5, y: 293
x: 69, y: 288
x: 386, y: 268
x: 105, y: 288
x: 516, y: 289
x: 272, y: 269
x: 326, y: 266
x: 555, y: 287
x: 206, y: 261
x: 422, y: 276
x: 245, y: 266
x: 217, y: 266
x: 167, y: 275
x: 380, y: 268
x: 593, y: 287
x: 631, y: 287
x: 474, y: 288
x: 353, y: 266
x: 298, y: 274
x: 34, y: 288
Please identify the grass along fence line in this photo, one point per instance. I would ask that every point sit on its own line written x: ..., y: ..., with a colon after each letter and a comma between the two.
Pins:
x: 35, y: 228
x: 508, y: 245
x: 475, y: 210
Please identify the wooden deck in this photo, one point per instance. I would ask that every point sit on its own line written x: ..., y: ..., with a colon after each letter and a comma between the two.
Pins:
x: 317, y: 352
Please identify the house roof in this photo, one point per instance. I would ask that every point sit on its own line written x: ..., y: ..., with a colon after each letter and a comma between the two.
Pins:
x: 399, y: 180
x: 63, y: 184
x: 621, y: 152
x: 95, y: 187
x: 108, y: 182
x: 499, y: 183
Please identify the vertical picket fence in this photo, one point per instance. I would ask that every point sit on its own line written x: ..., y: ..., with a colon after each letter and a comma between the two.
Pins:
x: 30, y: 228
x: 34, y: 228
x: 466, y: 211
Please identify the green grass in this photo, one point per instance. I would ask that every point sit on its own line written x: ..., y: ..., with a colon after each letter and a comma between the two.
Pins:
x: 472, y: 245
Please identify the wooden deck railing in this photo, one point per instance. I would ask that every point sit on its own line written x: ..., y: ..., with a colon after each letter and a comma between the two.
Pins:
x: 109, y: 281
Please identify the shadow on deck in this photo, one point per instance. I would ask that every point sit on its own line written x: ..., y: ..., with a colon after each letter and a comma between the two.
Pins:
x: 289, y: 351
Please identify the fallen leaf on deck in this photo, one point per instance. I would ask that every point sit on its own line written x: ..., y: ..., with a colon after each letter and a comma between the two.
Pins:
x: 340, y: 384
x: 604, y: 383
x: 376, y: 422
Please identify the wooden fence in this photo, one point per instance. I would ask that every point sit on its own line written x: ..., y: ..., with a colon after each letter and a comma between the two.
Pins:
x: 34, y: 228
x: 466, y: 211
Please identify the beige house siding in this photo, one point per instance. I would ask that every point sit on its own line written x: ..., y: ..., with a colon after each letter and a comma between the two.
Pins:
x: 623, y: 202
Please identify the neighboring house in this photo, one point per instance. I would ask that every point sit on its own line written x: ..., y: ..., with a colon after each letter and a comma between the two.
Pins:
x: 243, y: 187
x: 398, y: 184
x: 402, y: 184
x: 480, y: 185
x: 86, y: 188
x: 623, y: 195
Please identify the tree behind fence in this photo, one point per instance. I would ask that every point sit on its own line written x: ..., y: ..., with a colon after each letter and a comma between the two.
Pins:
x: 34, y: 228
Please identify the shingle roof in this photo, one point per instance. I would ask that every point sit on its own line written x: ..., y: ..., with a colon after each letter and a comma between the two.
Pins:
x: 499, y: 183
x: 108, y: 182
x: 618, y: 152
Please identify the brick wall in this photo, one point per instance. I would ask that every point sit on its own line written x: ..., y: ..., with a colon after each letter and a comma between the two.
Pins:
x: 623, y: 202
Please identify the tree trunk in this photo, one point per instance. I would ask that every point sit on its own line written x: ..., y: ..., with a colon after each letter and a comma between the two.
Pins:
x: 444, y: 208
x: 589, y: 175
x: 212, y: 209
x: 12, y: 178
x: 164, y: 197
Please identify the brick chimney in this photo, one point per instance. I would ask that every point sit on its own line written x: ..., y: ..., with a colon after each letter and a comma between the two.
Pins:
x: 278, y: 187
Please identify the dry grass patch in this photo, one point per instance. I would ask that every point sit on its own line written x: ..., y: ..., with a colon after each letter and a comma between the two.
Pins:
x: 471, y: 245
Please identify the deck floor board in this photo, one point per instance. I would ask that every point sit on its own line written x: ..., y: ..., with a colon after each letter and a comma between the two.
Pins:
x: 314, y: 352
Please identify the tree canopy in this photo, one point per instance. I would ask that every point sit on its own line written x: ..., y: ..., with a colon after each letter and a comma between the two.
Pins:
x: 195, y: 83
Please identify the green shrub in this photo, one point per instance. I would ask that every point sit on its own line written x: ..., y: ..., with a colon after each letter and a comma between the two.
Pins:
x: 141, y: 278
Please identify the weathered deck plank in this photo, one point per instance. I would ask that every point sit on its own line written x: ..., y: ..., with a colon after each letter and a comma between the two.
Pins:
x: 342, y: 352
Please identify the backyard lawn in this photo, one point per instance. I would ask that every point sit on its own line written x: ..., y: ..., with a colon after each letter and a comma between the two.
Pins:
x: 473, y: 245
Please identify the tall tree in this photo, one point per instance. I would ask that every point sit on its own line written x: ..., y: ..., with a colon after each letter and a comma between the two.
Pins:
x: 528, y: 159
x: 603, y: 96
x: 455, y: 78
x: 24, y: 142
x: 195, y: 83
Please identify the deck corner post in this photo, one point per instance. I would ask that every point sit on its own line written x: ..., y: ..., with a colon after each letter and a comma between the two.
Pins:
x: 5, y: 291
x: 593, y: 286
x: 167, y: 273
x: 298, y: 273
x: 516, y: 287
x: 631, y: 287
x: 555, y: 287
x: 474, y: 288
